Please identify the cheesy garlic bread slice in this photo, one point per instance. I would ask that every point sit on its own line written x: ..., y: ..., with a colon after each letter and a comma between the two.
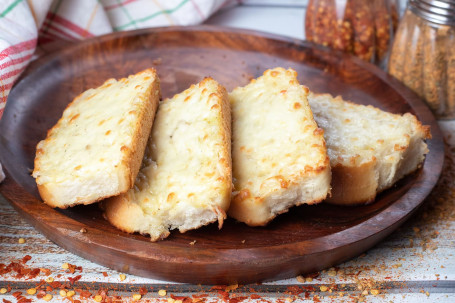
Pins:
x: 96, y: 148
x: 279, y: 154
x: 185, y: 180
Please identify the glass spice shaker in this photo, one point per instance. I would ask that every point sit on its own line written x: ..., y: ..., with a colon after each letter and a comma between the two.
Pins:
x: 363, y: 28
x: 423, y: 53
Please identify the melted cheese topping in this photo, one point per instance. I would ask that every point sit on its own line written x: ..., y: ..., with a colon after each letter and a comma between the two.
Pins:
x: 275, y: 139
x: 356, y: 134
x: 94, y: 131
x: 186, y: 162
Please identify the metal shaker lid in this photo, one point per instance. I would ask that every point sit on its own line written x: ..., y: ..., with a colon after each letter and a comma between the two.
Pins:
x: 437, y: 11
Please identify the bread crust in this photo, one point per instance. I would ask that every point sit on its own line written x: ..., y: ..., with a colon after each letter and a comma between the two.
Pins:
x: 259, y: 211
x: 66, y: 192
x: 125, y: 211
x: 126, y: 215
x: 353, y: 184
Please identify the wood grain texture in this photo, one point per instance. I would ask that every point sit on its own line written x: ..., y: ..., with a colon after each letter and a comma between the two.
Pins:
x: 308, y: 238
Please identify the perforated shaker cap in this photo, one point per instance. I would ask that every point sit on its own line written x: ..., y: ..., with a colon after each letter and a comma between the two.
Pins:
x: 437, y: 11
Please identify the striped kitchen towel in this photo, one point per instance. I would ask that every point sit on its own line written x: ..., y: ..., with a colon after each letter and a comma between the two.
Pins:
x: 29, y: 28
x: 32, y: 27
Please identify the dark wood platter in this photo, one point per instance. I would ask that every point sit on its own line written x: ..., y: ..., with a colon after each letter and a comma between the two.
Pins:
x: 307, y: 239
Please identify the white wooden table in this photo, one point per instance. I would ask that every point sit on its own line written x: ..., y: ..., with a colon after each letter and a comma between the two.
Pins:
x: 415, y: 264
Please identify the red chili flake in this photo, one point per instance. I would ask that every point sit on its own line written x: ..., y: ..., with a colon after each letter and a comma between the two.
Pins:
x: 41, y: 294
x: 16, y: 267
x: 85, y: 294
x: 24, y: 300
x: 200, y: 296
x: 75, y: 279
x: 34, y: 273
x: 215, y: 287
x: 8, y: 288
x: 24, y: 272
x: 56, y: 284
x: 6, y: 269
x: 255, y: 297
x: 116, y: 299
x: 76, y: 301
x: 26, y: 259
x: 142, y: 291
x: 104, y: 274
x: 71, y: 268
x: 41, y: 283
x: 316, y: 299
x: 66, y: 285
x: 237, y: 299
x: 16, y: 294
x: 6, y: 301
x: 48, y: 288
x: 224, y: 294
x: 20, y: 270
x: 45, y: 271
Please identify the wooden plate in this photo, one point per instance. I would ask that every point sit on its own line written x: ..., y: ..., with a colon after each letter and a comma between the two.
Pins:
x: 307, y: 239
